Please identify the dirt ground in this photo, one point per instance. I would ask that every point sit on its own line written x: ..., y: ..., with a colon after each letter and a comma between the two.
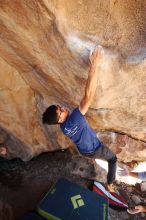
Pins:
x: 24, y: 184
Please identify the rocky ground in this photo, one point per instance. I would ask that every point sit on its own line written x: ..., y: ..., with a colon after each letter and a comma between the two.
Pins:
x: 23, y: 184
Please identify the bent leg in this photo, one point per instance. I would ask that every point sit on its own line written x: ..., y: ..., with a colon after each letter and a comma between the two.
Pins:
x: 111, y: 170
x: 105, y: 153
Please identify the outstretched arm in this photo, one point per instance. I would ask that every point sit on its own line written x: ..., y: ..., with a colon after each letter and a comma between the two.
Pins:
x: 137, y: 209
x: 91, y: 83
x: 125, y: 172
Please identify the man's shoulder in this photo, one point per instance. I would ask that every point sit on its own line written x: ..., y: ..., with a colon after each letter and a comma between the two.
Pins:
x: 77, y: 111
x: 76, y: 114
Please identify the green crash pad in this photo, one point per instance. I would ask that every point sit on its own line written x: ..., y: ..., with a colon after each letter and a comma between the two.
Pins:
x: 70, y: 201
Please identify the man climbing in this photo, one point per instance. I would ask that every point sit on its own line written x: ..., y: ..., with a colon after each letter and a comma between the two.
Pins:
x: 75, y: 126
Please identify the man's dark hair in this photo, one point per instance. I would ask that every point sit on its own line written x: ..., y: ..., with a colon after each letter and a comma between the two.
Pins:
x: 50, y: 115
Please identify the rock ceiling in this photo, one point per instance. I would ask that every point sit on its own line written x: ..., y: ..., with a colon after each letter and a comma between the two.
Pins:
x: 44, y: 51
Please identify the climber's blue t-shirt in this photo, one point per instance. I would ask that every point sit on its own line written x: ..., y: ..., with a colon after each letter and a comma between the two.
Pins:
x: 77, y: 129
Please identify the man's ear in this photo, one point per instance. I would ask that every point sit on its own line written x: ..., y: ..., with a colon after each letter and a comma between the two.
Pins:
x: 60, y: 120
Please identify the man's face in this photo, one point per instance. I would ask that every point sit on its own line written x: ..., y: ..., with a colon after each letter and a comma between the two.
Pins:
x: 62, y: 113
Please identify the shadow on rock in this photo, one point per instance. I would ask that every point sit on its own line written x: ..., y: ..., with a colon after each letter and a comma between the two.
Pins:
x: 11, y: 172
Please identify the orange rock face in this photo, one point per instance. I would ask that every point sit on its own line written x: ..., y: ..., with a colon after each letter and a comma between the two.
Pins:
x: 44, y: 59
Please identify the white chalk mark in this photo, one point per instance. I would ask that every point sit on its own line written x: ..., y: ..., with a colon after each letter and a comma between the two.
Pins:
x: 138, y: 56
x: 81, y: 46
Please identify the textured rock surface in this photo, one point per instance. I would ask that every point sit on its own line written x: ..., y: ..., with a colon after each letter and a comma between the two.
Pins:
x: 44, y: 50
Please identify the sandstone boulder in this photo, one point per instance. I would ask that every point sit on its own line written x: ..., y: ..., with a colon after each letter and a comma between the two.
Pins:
x: 44, y: 51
